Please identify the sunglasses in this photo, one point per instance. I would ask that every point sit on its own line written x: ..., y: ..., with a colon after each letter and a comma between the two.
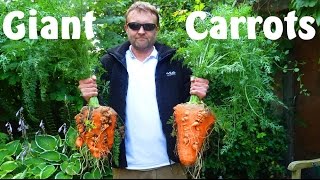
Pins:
x: 136, y: 26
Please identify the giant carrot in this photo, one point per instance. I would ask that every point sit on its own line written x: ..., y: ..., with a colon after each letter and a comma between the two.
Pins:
x: 96, y: 126
x: 193, y: 122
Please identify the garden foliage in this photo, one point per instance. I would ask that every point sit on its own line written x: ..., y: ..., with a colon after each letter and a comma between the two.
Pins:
x: 249, y: 138
x: 49, y: 157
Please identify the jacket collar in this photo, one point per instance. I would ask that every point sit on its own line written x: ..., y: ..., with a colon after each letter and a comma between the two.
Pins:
x: 120, y: 51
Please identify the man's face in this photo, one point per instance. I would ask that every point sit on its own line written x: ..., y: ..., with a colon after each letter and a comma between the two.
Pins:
x: 141, y: 38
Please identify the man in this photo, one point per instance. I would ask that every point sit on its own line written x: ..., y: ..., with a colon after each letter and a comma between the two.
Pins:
x: 145, y: 85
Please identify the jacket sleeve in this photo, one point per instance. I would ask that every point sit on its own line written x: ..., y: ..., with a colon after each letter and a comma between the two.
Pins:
x: 105, y: 73
x: 187, y: 72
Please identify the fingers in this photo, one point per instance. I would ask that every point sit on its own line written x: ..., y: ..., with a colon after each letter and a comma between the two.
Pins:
x: 88, y: 87
x: 199, y: 87
x: 92, y: 79
x: 199, y: 80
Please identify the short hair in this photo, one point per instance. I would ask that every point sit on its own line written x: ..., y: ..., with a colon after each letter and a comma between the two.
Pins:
x: 143, y: 6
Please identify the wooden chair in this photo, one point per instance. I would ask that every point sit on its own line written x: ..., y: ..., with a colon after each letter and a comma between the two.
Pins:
x: 296, y: 166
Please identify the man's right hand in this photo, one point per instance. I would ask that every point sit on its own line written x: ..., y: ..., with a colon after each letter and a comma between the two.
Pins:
x: 88, y: 87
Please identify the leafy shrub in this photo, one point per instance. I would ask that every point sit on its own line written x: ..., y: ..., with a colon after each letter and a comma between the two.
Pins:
x: 49, y: 157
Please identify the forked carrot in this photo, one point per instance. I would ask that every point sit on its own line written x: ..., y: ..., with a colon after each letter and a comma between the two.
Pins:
x: 96, y: 126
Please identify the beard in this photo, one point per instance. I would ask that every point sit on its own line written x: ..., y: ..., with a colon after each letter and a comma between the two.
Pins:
x: 142, y: 44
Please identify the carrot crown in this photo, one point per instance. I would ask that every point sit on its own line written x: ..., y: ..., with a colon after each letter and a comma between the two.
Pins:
x: 93, y: 102
x: 194, y: 100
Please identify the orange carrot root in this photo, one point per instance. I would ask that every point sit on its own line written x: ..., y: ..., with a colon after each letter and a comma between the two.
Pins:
x: 96, y: 126
x: 193, y: 122
x: 79, y: 142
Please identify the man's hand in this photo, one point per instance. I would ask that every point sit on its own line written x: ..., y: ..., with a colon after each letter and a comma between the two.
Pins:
x: 88, y: 87
x: 199, y: 87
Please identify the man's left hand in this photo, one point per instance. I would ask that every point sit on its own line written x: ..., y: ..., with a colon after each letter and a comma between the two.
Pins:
x: 199, y: 87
